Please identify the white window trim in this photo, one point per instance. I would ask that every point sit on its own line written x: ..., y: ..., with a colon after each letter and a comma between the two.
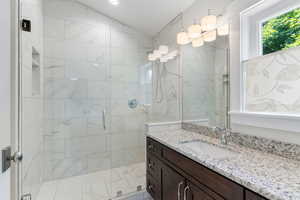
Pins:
x: 267, y: 120
x: 284, y: 122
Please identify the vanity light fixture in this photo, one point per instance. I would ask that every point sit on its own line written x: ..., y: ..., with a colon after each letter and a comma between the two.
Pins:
x: 183, y: 38
x: 162, y: 54
x: 194, y: 31
x: 198, y: 42
x: 210, y: 27
x: 209, y: 22
x: 210, y: 36
x: 114, y: 2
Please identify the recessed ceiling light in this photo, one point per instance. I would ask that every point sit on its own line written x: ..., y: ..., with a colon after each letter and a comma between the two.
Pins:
x: 114, y: 2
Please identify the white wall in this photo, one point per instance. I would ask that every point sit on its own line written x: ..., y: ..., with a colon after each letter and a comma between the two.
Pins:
x: 233, y: 12
x: 5, y: 92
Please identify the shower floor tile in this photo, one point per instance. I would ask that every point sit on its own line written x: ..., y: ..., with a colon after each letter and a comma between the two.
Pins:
x: 101, y: 185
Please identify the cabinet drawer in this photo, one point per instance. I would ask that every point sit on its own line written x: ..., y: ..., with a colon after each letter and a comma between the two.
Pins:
x: 253, y: 196
x: 153, y: 167
x: 153, y: 147
x: 153, y: 188
x: 217, y: 183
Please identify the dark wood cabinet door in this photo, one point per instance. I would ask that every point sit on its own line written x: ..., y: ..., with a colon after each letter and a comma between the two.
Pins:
x: 172, y: 184
x: 252, y: 196
x: 195, y: 193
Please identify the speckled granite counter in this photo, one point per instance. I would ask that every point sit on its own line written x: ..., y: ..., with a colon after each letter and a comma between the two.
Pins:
x: 271, y: 176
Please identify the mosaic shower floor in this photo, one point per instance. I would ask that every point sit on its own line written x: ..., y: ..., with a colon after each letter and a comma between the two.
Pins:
x: 101, y: 185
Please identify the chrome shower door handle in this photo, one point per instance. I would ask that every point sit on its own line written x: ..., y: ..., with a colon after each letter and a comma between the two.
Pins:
x: 186, y: 190
x: 104, y: 119
x: 179, y: 190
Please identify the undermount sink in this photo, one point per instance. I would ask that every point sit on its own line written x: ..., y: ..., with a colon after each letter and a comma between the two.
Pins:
x: 200, y: 147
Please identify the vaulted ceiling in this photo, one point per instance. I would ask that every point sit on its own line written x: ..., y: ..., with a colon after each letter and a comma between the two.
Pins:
x: 147, y: 16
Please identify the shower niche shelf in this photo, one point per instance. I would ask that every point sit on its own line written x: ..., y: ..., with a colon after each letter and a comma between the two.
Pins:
x: 36, y: 72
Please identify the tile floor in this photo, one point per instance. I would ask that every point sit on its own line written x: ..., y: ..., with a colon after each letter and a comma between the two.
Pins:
x: 102, y: 185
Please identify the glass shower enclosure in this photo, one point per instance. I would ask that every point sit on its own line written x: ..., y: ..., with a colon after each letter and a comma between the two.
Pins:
x: 79, y: 71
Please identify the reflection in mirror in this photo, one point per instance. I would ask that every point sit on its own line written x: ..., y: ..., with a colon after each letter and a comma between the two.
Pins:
x: 205, y: 84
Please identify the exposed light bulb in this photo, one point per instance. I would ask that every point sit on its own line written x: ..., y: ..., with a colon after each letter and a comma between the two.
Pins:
x: 198, y: 42
x: 209, y: 22
x: 210, y: 36
x: 194, y: 31
x: 114, y: 2
x: 183, y: 38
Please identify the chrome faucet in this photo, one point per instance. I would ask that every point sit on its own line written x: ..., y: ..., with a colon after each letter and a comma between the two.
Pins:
x: 225, y: 134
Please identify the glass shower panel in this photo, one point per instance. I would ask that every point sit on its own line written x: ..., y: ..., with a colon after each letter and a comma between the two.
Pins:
x: 128, y: 58
x: 85, y: 88
x: 31, y: 99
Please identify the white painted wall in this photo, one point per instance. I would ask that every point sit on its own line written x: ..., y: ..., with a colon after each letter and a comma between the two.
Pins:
x: 4, y: 92
x: 233, y: 13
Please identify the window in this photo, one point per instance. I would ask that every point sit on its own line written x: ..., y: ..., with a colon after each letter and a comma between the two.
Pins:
x: 270, y: 66
x: 281, y: 32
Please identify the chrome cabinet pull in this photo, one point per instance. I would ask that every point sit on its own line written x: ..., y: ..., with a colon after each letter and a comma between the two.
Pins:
x: 179, y: 190
x: 104, y: 119
x: 186, y: 189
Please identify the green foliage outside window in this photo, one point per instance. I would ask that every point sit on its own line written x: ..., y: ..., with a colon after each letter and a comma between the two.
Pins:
x: 282, y: 32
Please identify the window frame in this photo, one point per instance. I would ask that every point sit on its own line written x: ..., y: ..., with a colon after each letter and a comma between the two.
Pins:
x: 239, y: 116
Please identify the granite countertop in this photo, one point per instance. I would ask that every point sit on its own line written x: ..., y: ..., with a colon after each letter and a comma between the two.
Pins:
x: 271, y: 176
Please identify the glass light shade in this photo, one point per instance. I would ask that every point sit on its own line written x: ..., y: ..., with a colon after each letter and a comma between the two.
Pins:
x: 194, y: 31
x: 223, y: 29
x: 163, y: 49
x: 209, y: 22
x: 210, y: 36
x: 151, y: 57
x: 156, y: 53
x: 198, y: 42
x: 183, y: 38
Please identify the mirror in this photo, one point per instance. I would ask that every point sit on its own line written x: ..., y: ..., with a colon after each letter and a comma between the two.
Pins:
x: 205, y: 86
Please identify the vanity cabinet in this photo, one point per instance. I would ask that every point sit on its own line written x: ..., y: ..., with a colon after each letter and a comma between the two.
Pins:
x: 252, y: 196
x: 172, y: 176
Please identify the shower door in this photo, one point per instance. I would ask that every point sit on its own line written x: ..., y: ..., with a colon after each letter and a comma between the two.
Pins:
x: 80, y: 71
x: 65, y: 103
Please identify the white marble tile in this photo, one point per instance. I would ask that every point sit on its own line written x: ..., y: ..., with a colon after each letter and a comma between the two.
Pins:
x: 54, y: 28
x: 99, y: 161
x: 64, y: 88
x: 54, y: 109
x: 48, y: 190
x: 95, y: 126
x: 54, y: 68
x: 98, y: 89
x: 55, y: 48
x: 93, y: 71
x: 83, y: 146
x: 69, y: 189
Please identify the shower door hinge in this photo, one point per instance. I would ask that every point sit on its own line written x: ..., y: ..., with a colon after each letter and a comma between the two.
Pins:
x: 26, y: 197
x: 26, y: 25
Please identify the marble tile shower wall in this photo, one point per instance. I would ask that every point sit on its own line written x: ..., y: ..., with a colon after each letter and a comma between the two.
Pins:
x: 92, y: 64
x: 31, y: 101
